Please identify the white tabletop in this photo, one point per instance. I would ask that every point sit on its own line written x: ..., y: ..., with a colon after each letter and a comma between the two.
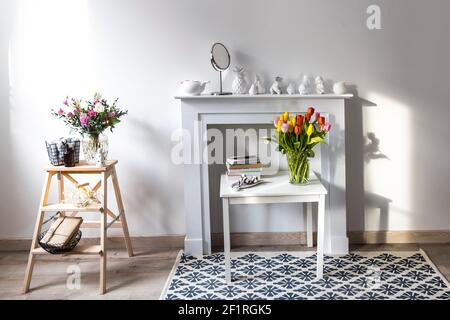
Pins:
x: 274, y: 186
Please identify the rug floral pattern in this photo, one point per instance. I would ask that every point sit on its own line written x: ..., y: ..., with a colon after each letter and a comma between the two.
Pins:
x: 291, y: 276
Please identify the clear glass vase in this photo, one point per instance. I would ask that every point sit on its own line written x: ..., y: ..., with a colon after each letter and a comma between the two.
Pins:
x: 93, y: 146
x: 298, y: 164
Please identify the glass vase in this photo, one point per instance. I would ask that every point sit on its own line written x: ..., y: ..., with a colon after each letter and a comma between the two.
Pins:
x: 95, y: 145
x: 298, y: 164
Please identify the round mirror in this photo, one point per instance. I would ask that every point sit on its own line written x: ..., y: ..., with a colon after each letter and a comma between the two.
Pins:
x: 220, y: 58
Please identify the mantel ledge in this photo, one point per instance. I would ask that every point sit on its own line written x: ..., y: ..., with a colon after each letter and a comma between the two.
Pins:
x: 267, y: 96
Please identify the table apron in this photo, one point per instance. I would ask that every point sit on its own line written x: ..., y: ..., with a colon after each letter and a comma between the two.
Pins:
x: 275, y: 199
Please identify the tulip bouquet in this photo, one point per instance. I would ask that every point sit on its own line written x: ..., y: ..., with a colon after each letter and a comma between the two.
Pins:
x: 296, y: 137
x: 90, y: 118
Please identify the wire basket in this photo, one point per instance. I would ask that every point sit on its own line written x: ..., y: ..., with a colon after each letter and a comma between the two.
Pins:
x: 60, y: 248
x: 64, y: 152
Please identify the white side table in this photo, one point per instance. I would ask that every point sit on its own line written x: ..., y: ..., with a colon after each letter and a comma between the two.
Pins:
x: 276, y: 189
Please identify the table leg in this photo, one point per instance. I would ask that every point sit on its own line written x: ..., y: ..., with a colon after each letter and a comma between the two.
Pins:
x: 309, y: 228
x: 226, y: 239
x: 320, y: 235
x: 103, y: 224
x: 123, y: 219
x: 61, y: 190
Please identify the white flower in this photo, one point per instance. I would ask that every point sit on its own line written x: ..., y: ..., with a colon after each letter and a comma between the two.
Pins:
x: 99, y: 107
x: 83, y: 105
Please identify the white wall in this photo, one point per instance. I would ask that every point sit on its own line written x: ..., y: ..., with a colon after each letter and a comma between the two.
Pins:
x: 140, y: 50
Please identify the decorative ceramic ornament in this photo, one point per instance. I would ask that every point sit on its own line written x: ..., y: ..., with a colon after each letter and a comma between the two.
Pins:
x: 290, y: 89
x: 339, y: 87
x: 276, y: 86
x: 305, y: 86
x: 259, y: 85
x: 239, y: 85
x: 253, y: 90
x: 192, y: 87
x: 320, y: 87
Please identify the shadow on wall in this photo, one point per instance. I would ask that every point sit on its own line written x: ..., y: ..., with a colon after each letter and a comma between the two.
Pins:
x: 361, y: 150
x: 152, y: 198
x: 380, y: 203
x: 372, y: 148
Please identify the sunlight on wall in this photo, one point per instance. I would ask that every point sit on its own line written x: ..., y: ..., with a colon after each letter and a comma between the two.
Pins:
x: 50, y: 50
x: 52, y: 46
x: 387, y: 155
x: 48, y: 58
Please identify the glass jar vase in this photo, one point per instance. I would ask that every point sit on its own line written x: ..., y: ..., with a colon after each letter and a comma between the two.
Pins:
x: 95, y: 146
x: 298, y: 164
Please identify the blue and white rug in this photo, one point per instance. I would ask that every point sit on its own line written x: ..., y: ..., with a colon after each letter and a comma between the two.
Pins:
x: 292, y: 276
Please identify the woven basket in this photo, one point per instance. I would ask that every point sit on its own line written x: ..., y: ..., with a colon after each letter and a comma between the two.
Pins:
x: 58, y: 158
x: 60, y: 248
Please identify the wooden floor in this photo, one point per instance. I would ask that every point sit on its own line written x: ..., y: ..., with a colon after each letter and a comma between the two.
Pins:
x: 140, y: 277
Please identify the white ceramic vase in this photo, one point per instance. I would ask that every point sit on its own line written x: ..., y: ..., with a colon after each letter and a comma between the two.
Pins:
x: 239, y: 85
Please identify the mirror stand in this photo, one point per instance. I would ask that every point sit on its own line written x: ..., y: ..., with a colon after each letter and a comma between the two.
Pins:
x: 220, y: 93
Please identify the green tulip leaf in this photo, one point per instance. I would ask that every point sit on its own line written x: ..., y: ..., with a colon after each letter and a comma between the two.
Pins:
x: 315, y: 140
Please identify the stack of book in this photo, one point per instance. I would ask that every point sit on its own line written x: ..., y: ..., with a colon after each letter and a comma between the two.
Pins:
x: 248, y: 165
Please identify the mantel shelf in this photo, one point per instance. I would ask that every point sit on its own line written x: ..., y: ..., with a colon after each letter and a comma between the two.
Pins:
x: 268, y: 96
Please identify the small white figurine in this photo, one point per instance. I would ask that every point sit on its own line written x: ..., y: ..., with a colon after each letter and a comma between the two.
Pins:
x: 253, y: 89
x: 320, y: 88
x: 259, y: 85
x: 276, y: 86
x: 305, y: 86
x: 290, y: 89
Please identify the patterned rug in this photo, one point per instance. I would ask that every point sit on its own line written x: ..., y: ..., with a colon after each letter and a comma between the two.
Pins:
x: 291, y: 276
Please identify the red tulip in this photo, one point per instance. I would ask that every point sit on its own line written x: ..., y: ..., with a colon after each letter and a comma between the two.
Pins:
x: 299, y: 121
x: 310, y: 111
x: 307, y: 117
x: 297, y: 130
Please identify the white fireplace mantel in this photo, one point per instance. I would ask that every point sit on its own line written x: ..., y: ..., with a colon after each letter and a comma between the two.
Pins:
x: 198, y: 112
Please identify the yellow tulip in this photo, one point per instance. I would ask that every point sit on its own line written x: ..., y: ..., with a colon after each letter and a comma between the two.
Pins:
x: 309, y: 130
x: 279, y: 124
x: 286, y: 116
x: 291, y: 127
x: 293, y: 121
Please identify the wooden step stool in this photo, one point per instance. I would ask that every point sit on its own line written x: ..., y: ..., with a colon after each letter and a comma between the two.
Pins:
x: 68, y: 209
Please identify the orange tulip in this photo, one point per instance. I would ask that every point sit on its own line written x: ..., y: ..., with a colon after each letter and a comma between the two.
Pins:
x: 321, y: 121
x: 310, y: 111
x: 297, y: 130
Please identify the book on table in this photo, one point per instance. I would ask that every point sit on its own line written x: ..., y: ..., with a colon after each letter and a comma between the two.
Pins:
x: 242, y: 160
x: 238, y: 166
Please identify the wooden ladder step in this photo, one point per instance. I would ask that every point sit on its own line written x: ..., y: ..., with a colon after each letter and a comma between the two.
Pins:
x: 80, y: 249
x: 71, y: 207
